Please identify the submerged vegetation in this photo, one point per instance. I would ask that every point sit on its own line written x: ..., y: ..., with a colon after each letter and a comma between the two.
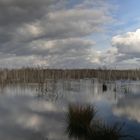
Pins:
x: 40, y: 75
x: 83, y: 125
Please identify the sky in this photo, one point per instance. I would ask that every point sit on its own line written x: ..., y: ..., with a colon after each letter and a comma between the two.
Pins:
x: 70, y: 33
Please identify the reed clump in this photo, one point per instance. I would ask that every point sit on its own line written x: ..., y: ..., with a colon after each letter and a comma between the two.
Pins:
x: 82, y: 125
x: 79, y: 119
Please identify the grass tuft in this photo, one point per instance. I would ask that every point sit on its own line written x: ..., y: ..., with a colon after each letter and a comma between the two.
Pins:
x: 79, y: 119
x: 81, y: 124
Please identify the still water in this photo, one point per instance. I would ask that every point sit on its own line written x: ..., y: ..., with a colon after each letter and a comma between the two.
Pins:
x: 31, y: 113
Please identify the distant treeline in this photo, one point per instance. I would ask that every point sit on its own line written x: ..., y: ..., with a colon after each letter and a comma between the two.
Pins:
x: 38, y: 75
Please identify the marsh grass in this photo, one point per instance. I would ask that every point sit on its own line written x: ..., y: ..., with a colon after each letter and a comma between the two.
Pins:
x: 79, y: 119
x: 82, y: 125
x: 103, y: 131
x: 40, y: 74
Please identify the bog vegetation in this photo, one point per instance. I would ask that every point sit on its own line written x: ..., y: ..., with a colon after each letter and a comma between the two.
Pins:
x: 40, y: 75
x: 82, y: 124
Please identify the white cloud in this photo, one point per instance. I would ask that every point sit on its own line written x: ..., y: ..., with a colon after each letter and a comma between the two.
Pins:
x: 125, y: 51
x: 128, y: 43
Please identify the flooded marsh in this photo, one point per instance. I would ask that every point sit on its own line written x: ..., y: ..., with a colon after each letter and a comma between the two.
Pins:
x: 39, y: 112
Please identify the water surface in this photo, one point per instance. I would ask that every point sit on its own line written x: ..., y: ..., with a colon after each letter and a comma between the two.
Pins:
x: 27, y: 112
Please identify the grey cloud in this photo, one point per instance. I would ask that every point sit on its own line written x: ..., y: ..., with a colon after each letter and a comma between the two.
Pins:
x: 67, y: 53
x: 15, y: 13
x: 44, y: 48
x: 15, y: 61
x: 51, y: 29
x: 59, y: 47
x: 64, y: 24
x: 19, y: 11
